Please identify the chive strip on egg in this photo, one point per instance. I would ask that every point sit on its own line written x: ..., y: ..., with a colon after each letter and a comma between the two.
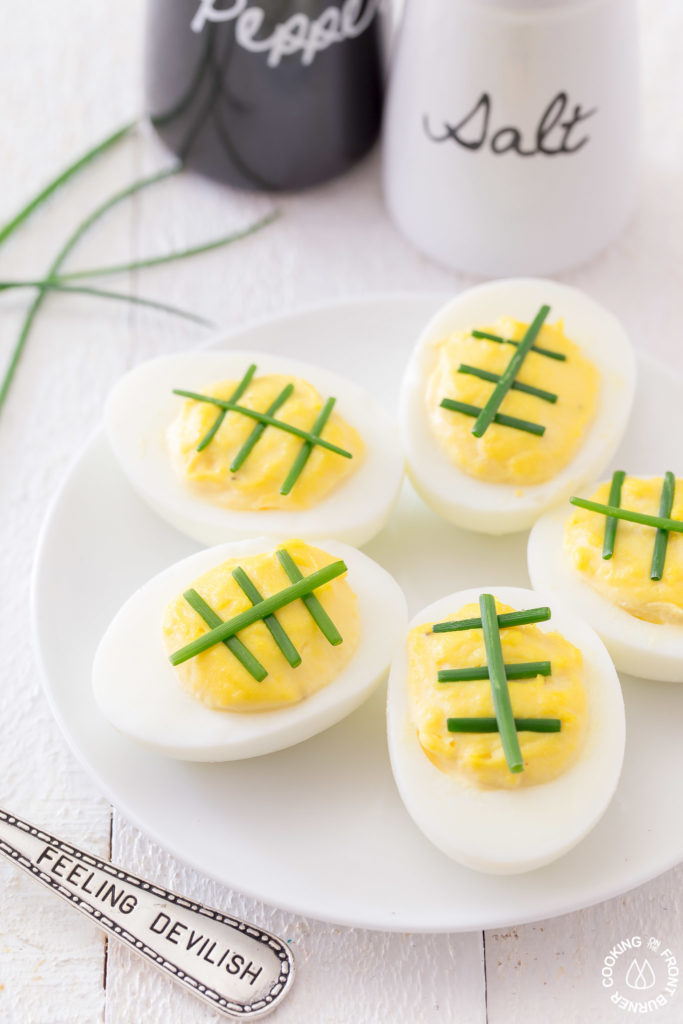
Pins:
x: 243, y: 655
x: 487, y: 414
x: 262, y: 418
x: 307, y: 447
x: 499, y: 685
x: 520, y: 670
x: 662, y: 538
x: 560, y: 356
x: 658, y: 522
x: 256, y: 433
x: 618, y: 478
x: 270, y: 604
x: 484, y: 724
x: 506, y: 620
x: 276, y: 630
x: 234, y: 397
x: 318, y: 613
x: 499, y: 417
x: 517, y: 385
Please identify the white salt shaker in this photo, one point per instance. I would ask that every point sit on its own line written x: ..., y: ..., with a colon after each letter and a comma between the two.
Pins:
x: 511, y: 131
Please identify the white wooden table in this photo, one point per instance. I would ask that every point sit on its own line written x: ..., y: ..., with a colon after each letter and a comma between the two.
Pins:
x: 69, y: 73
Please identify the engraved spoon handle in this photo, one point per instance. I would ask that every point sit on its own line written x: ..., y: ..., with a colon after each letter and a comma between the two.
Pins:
x: 237, y: 968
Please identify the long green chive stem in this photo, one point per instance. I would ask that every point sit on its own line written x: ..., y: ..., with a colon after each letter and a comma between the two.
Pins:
x: 61, y: 281
x: 517, y: 385
x: 506, y: 620
x: 484, y: 724
x: 262, y: 418
x: 662, y: 537
x: 259, y: 611
x: 611, y: 524
x: 499, y: 417
x: 485, y: 417
x: 276, y: 631
x: 499, y: 687
x: 61, y: 179
x: 171, y: 257
x: 659, y: 522
x: 56, y: 285
x: 519, y: 670
x: 307, y: 447
x: 560, y: 356
x: 234, y: 397
x: 254, y: 436
x: 233, y: 643
x: 75, y: 237
x: 317, y: 612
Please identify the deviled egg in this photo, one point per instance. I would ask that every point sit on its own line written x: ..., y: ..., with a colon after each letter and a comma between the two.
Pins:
x: 247, y: 648
x: 506, y: 727
x: 230, y: 445
x: 517, y: 393
x: 625, y: 577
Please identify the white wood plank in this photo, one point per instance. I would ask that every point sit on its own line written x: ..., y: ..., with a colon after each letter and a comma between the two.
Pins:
x: 51, y: 959
x: 344, y: 976
x: 552, y: 971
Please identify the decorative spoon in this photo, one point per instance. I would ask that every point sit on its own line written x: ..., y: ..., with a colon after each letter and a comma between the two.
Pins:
x: 238, y: 968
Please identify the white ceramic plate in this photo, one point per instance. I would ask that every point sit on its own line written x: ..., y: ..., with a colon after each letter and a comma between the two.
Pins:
x: 319, y: 829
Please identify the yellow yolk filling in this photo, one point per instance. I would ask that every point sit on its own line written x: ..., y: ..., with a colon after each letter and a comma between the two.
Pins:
x: 256, y: 484
x: 505, y: 454
x: 625, y: 578
x: 478, y: 757
x: 218, y: 679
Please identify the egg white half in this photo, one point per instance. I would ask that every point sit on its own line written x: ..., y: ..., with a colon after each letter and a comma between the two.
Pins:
x: 506, y: 508
x: 137, y: 688
x: 512, y: 831
x: 142, y: 404
x: 651, y: 650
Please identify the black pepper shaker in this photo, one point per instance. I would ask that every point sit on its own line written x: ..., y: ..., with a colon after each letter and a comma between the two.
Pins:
x: 279, y: 96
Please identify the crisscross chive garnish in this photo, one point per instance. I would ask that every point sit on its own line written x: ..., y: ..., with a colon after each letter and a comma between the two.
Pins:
x: 517, y: 385
x: 307, y: 447
x: 505, y: 621
x: 499, y: 686
x: 246, y: 448
x: 485, y: 724
x: 276, y: 630
x: 270, y: 604
x: 518, y: 670
x: 659, y: 522
x: 499, y: 417
x: 263, y: 418
x: 242, y: 653
x: 560, y: 356
x: 317, y: 612
x: 487, y: 414
x: 234, y: 397
x: 662, y: 537
x: 611, y: 524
